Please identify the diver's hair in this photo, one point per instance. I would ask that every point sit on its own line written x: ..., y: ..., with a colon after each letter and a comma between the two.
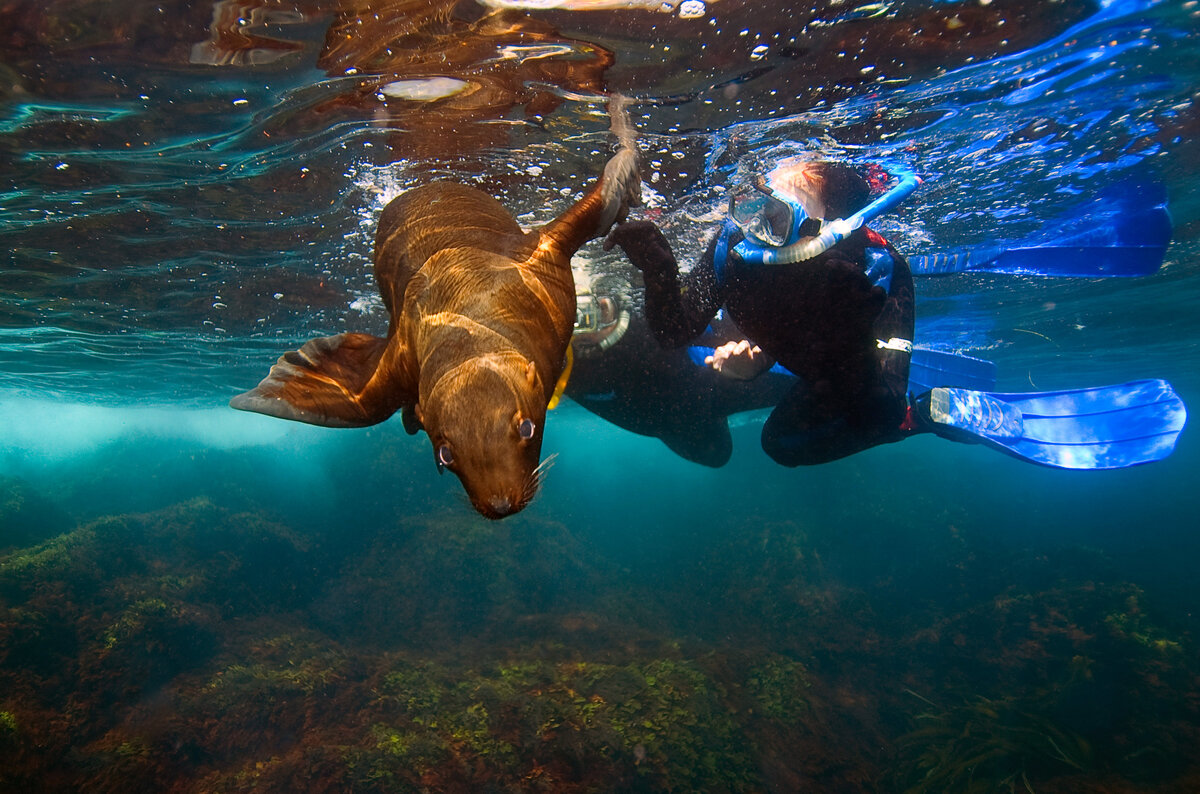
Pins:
x: 843, y: 190
x: 838, y: 187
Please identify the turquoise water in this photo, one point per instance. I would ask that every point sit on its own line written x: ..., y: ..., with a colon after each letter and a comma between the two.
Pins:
x: 195, y: 598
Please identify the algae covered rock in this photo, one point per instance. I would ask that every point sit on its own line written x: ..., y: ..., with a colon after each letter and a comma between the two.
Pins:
x: 94, y: 622
x: 657, y: 724
x: 439, y: 582
x: 26, y: 517
x: 201, y: 649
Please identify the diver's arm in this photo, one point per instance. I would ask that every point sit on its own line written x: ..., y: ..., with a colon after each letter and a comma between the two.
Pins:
x: 677, y: 315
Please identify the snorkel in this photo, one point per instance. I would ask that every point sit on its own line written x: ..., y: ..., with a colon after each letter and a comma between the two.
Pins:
x: 832, y: 232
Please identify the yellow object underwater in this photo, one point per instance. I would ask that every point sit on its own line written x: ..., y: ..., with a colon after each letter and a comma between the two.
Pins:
x: 561, y: 386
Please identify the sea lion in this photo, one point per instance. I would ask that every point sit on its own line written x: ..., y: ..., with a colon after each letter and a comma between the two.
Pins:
x: 481, y: 314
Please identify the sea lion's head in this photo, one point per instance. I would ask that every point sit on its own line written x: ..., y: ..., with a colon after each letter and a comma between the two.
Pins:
x: 484, y: 419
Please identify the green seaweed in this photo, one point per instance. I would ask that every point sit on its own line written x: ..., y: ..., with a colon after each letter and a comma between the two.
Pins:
x: 302, y: 670
x: 661, y: 721
x: 988, y: 746
x: 778, y: 686
x: 49, y: 559
x: 417, y: 750
x: 135, y: 620
x: 1132, y: 624
x: 8, y: 726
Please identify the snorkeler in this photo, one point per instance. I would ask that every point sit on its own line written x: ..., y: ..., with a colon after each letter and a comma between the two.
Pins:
x: 841, y: 319
x: 796, y: 269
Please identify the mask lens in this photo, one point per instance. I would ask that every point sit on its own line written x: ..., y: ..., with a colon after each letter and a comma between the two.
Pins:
x: 760, y: 215
x: 586, y: 314
x: 777, y: 217
x: 745, y: 204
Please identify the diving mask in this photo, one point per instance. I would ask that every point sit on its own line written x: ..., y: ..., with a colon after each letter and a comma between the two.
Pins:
x: 599, y: 321
x: 768, y: 216
x: 588, y: 310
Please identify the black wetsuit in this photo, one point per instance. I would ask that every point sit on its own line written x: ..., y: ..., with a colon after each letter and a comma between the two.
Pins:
x: 647, y: 389
x: 820, y: 319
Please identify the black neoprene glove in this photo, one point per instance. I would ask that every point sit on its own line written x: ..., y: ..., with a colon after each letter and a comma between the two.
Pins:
x: 645, y: 246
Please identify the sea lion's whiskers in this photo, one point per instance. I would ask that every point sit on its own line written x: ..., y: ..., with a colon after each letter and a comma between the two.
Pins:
x: 541, y: 469
x: 538, y: 475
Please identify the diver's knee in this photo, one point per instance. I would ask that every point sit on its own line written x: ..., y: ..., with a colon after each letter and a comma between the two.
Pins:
x: 793, y: 449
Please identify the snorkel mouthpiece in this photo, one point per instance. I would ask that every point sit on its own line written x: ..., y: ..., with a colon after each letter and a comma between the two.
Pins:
x: 832, y: 232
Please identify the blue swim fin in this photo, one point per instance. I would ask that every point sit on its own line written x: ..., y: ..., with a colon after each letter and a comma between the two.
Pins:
x: 1123, y: 232
x: 1107, y: 427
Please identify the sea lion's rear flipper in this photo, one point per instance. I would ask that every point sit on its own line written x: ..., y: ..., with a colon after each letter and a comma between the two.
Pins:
x: 323, y: 383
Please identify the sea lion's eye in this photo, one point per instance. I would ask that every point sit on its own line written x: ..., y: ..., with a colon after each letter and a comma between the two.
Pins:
x: 445, y: 457
x: 525, y: 429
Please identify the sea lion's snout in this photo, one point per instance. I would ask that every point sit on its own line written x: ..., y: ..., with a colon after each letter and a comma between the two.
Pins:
x: 501, y: 506
x: 489, y: 435
x: 498, y: 497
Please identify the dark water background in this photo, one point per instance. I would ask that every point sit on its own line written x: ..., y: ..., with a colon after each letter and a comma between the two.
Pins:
x: 196, y: 599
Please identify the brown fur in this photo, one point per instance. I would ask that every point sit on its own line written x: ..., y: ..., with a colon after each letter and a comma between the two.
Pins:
x: 481, y: 314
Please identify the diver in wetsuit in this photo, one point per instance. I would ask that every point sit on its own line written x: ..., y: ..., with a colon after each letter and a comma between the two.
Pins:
x: 841, y: 319
x: 832, y: 302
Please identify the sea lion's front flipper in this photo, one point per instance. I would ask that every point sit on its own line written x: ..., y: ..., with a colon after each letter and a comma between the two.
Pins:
x: 323, y: 383
x: 609, y: 199
x: 410, y: 420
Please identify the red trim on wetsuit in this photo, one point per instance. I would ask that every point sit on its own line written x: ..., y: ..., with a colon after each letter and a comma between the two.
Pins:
x: 875, y: 239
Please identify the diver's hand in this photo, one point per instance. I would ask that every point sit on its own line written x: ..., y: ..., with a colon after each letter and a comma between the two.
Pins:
x: 644, y: 244
x: 742, y: 360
